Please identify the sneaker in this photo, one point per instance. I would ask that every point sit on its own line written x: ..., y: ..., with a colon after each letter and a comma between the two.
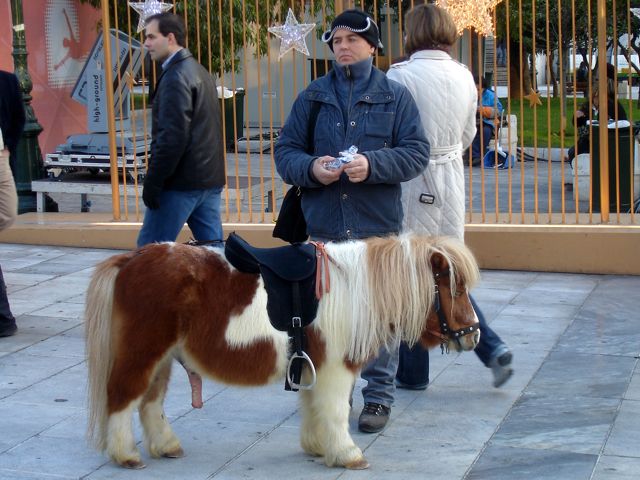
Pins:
x: 374, y: 417
x: 501, y: 368
x: 8, y: 329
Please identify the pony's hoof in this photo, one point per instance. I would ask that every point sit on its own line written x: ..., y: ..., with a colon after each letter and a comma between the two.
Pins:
x: 360, y: 464
x: 176, y: 453
x: 133, y: 464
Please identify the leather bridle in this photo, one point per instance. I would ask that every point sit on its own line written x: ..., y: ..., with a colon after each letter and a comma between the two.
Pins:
x: 446, y: 333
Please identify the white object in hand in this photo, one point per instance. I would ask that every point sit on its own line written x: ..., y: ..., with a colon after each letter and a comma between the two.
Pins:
x: 346, y: 156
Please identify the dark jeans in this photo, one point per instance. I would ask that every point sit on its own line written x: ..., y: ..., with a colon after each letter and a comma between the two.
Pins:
x: 413, y: 366
x: 6, y: 317
x: 478, y: 150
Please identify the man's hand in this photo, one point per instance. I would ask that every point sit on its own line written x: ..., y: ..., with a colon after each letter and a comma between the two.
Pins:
x: 151, y: 195
x: 357, y: 169
x: 324, y: 175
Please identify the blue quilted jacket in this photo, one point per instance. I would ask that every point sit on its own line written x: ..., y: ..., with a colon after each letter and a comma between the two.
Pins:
x: 377, y: 115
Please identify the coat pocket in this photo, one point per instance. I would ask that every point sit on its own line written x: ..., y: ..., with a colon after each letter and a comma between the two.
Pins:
x: 378, y: 130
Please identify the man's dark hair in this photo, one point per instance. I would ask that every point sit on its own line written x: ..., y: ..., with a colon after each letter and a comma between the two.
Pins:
x: 170, y: 23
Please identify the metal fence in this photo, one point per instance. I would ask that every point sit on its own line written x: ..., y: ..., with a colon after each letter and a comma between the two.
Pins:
x: 545, y: 59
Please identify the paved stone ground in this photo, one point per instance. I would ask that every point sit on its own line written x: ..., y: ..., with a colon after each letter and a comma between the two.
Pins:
x: 571, y: 411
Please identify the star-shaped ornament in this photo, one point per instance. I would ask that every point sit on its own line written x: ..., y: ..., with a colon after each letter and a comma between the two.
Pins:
x: 534, y: 98
x: 292, y: 35
x: 477, y: 14
x: 147, y: 8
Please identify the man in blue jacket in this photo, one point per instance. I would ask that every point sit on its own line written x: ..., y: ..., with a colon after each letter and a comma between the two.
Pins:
x: 357, y: 106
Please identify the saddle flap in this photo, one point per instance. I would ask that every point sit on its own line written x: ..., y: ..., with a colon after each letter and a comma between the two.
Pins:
x: 290, y: 262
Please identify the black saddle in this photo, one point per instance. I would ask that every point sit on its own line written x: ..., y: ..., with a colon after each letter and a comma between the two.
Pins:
x: 289, y: 275
x: 283, y: 269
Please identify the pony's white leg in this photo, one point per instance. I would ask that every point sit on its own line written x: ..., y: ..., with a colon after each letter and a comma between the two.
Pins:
x: 121, y: 444
x: 310, y: 433
x: 328, y: 426
x: 160, y: 440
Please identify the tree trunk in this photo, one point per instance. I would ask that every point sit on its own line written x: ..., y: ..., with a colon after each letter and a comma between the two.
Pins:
x: 517, y: 71
x: 552, y: 75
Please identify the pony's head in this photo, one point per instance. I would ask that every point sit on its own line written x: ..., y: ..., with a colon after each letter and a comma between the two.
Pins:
x: 452, y: 321
x: 421, y: 284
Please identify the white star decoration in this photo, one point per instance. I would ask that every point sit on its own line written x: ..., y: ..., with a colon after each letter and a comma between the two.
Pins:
x: 147, y: 8
x: 471, y: 13
x: 292, y: 35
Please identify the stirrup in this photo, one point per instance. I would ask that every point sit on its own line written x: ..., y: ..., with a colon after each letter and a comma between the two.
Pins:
x: 306, y: 358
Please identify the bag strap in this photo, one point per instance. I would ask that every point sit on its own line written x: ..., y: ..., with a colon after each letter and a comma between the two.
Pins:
x: 311, y: 126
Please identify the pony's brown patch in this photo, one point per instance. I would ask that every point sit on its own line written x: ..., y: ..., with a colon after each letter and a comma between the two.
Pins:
x: 169, y: 296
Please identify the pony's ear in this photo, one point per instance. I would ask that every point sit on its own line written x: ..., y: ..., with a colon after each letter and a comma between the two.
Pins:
x: 438, y: 262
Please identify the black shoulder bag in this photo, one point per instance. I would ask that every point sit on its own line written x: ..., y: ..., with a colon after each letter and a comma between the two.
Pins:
x: 291, y: 225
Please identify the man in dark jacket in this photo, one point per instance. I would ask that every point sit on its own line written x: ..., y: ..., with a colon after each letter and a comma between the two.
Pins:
x: 12, y: 119
x: 185, y: 175
x: 358, y: 106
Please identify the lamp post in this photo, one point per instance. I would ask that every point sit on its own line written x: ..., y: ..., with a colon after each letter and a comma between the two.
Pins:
x: 28, y: 162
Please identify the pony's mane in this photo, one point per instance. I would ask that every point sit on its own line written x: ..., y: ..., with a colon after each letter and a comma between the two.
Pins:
x: 381, y: 282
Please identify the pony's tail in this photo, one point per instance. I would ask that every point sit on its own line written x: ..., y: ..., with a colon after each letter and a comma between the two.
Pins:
x: 98, y: 311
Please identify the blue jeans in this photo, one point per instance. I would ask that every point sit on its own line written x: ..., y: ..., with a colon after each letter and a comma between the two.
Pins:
x: 380, y: 375
x: 200, y: 209
x: 489, y: 342
x: 413, y: 364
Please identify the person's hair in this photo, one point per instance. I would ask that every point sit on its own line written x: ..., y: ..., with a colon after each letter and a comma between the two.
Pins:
x: 170, y: 23
x: 429, y: 27
x: 483, y: 82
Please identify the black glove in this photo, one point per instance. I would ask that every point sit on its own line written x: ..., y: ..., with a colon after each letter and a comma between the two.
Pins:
x: 151, y: 195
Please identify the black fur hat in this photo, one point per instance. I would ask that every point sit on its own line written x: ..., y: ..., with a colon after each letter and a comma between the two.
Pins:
x: 357, y: 22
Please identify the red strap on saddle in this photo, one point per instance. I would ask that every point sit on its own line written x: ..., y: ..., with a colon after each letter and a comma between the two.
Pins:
x: 322, y: 263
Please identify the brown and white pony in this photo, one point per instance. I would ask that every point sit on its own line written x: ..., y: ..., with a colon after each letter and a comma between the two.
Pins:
x: 172, y: 301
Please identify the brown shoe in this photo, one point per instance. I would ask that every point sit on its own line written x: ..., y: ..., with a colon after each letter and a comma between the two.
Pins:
x: 374, y: 417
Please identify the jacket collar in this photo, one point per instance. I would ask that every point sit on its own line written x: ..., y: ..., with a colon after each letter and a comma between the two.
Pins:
x: 431, y: 55
x: 179, y: 56
x: 321, y: 89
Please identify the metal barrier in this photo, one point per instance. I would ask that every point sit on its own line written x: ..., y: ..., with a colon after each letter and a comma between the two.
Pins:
x: 532, y: 52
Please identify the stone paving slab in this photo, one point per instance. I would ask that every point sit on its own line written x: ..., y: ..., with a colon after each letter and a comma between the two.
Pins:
x: 571, y: 411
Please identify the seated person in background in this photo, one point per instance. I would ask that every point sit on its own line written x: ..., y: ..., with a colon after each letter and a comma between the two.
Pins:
x: 615, y: 111
x: 489, y: 111
x: 582, y: 75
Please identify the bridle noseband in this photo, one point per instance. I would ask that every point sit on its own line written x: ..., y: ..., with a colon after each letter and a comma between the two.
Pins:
x: 446, y: 333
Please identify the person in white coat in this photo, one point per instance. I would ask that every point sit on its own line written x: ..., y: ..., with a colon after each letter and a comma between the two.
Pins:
x: 434, y: 202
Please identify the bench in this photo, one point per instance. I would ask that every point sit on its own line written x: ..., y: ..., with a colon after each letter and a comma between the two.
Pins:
x: 84, y: 184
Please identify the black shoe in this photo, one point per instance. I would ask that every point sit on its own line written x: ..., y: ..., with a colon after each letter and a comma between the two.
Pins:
x: 475, y: 161
x: 8, y: 329
x: 374, y: 417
